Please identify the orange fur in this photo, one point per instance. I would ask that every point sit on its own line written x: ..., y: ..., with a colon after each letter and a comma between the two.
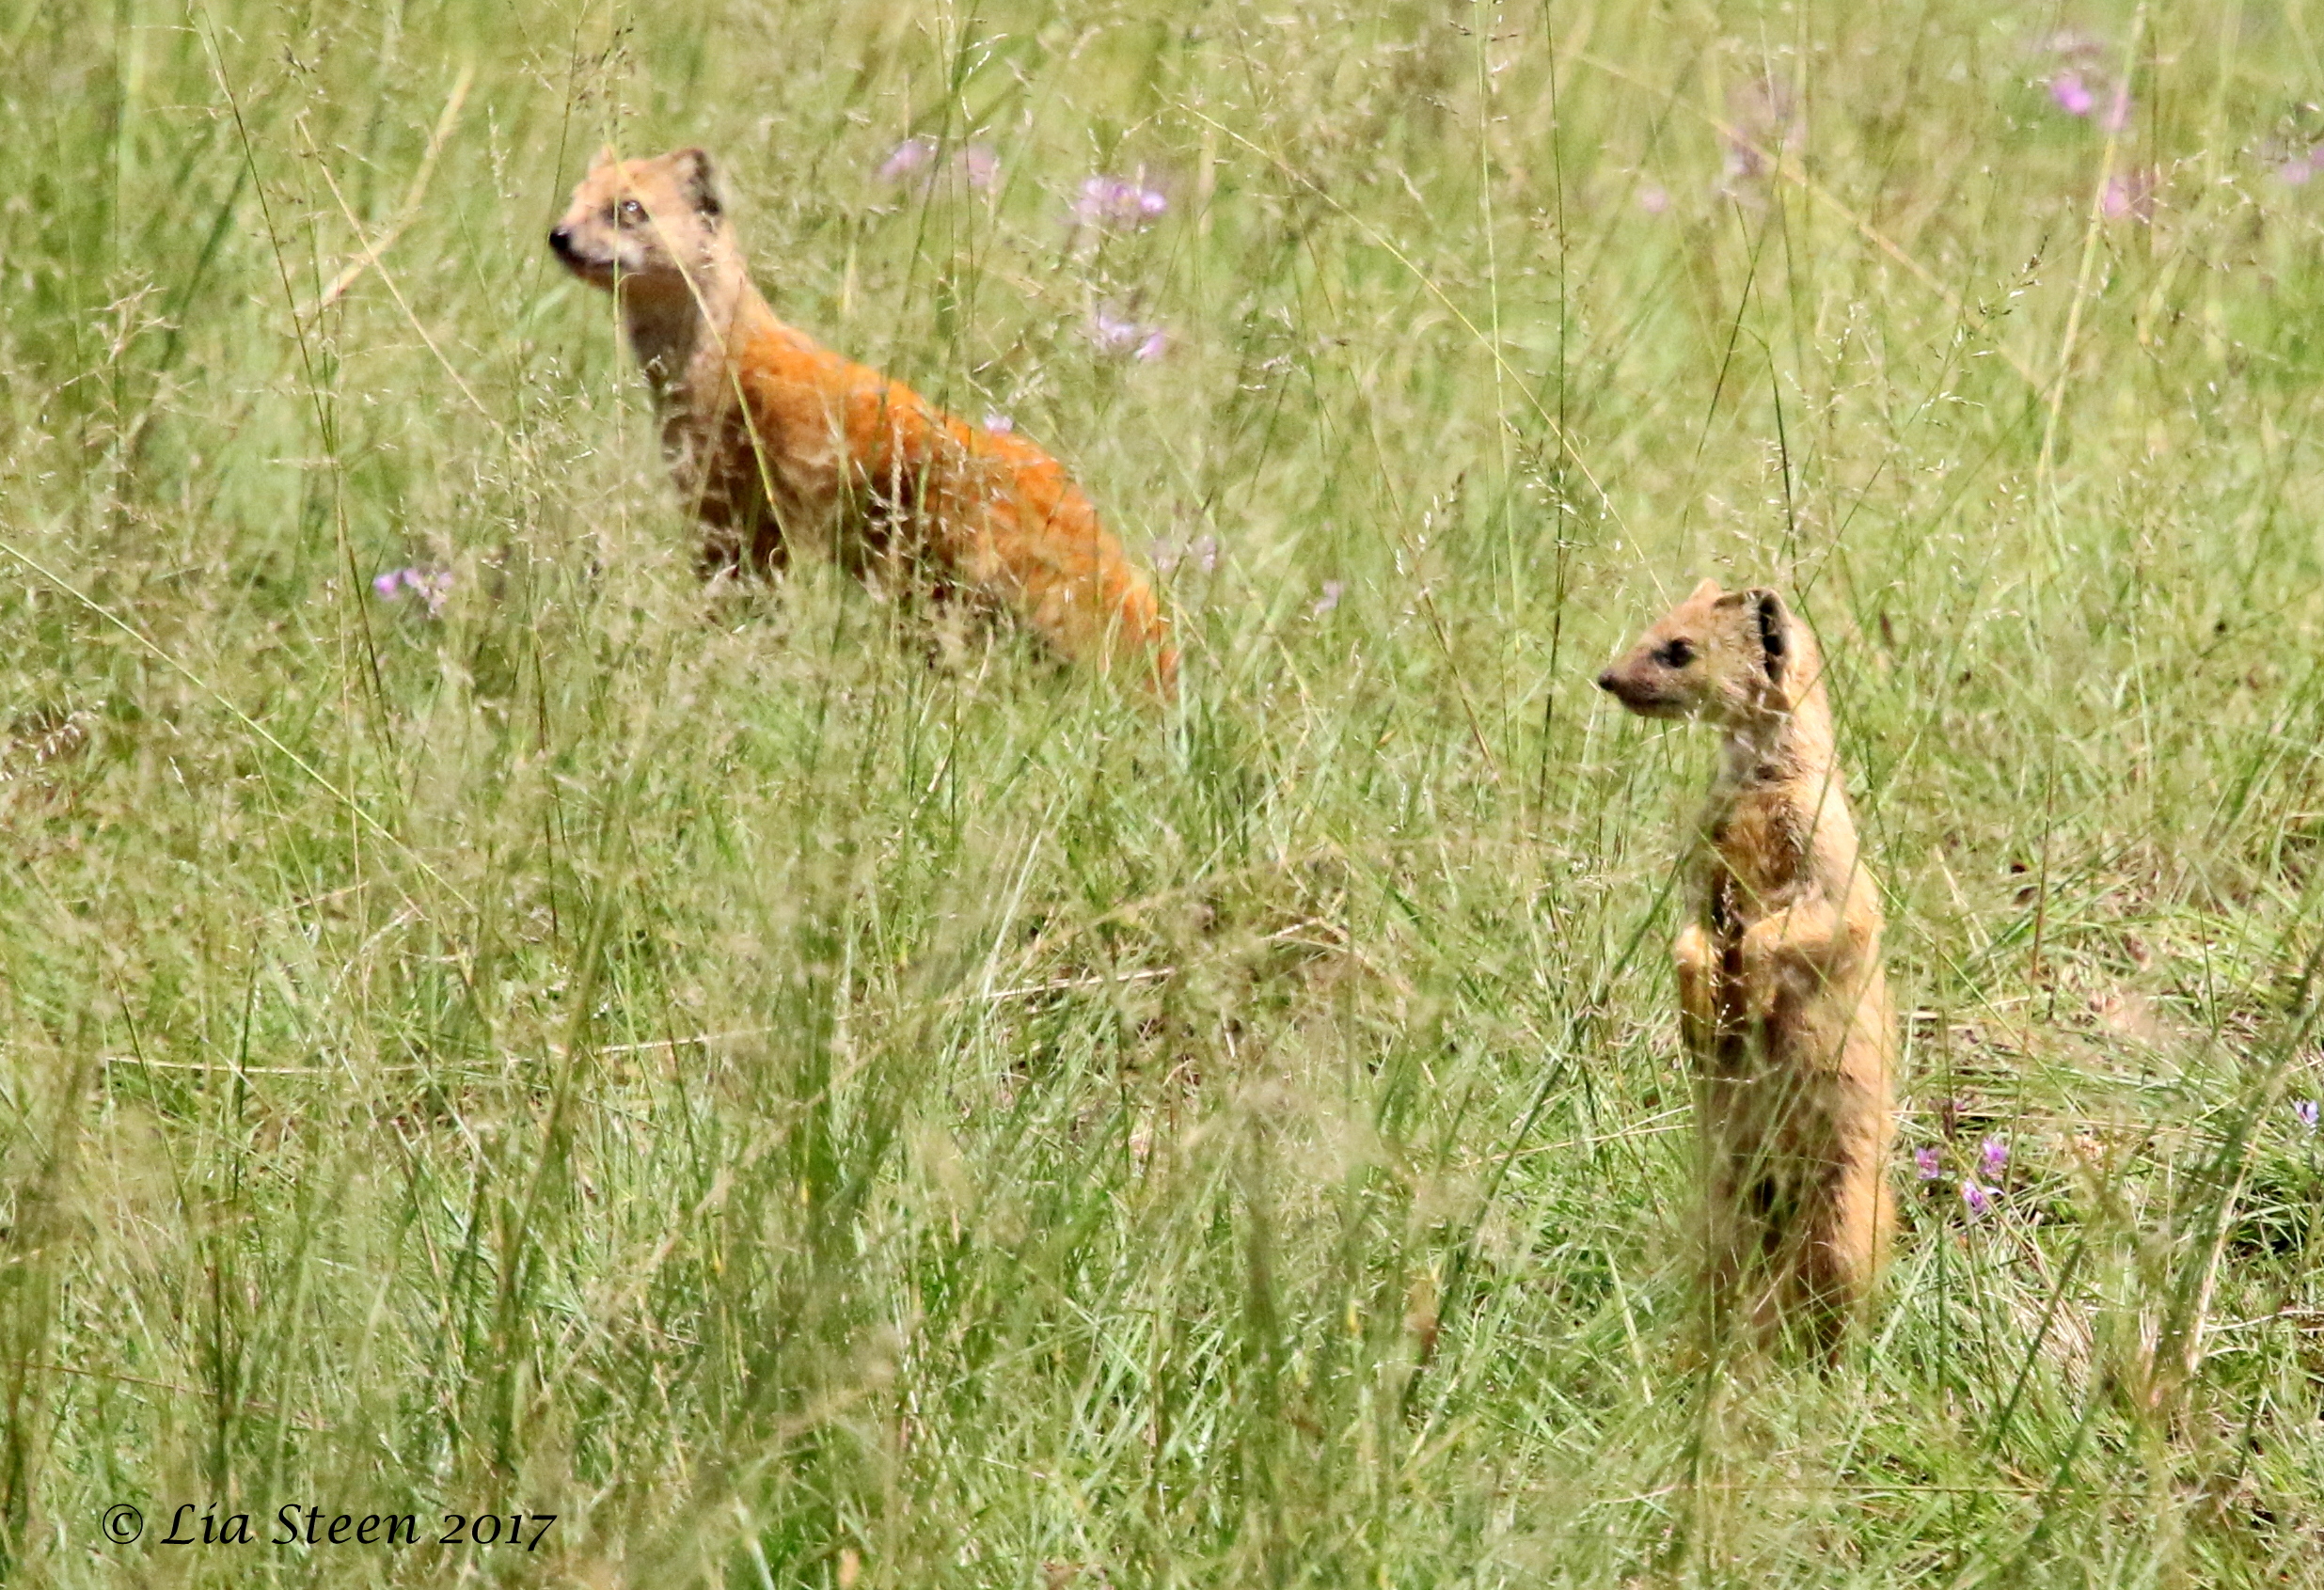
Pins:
x: 775, y: 440
x: 1783, y: 1001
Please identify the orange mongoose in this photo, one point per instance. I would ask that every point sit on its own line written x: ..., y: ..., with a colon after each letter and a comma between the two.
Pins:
x: 1783, y: 1003
x: 775, y: 439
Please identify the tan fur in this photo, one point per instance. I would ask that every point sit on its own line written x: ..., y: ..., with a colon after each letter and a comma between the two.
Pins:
x: 1783, y: 1001
x: 775, y: 439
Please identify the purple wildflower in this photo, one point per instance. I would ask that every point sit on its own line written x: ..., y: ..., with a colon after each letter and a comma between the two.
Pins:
x: 1925, y: 1162
x: 1993, y: 1158
x: 1742, y: 162
x: 433, y: 586
x: 999, y: 424
x: 2132, y: 194
x: 2294, y: 164
x: 1763, y: 120
x: 2072, y: 94
x: 2305, y: 1113
x: 1653, y: 198
x: 915, y: 160
x: 1978, y: 1200
x: 1203, y: 552
x: 1114, y: 334
x: 1118, y: 203
x: 911, y: 157
x: 1329, y: 600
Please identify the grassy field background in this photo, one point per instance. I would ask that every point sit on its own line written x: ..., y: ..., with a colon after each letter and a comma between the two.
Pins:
x: 804, y: 1116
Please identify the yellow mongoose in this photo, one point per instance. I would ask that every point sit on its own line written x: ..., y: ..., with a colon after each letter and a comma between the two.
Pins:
x: 1783, y: 1004
x: 774, y: 439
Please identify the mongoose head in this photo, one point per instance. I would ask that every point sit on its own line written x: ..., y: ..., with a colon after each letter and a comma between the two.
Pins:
x: 643, y: 226
x: 1729, y: 656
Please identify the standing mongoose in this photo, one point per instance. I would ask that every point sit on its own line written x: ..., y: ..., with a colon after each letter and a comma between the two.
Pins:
x: 774, y: 439
x: 1783, y: 1004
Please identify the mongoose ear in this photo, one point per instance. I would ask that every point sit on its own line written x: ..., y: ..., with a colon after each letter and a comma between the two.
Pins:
x: 698, y: 180
x: 605, y: 158
x: 1775, y: 626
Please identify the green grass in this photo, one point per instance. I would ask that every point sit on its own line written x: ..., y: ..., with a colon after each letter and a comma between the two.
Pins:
x: 804, y: 1116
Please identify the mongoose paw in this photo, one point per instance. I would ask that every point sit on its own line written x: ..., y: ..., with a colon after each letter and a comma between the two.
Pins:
x: 1763, y: 953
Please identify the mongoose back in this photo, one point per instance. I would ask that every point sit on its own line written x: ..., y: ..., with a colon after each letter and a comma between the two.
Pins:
x: 1783, y: 1001
x: 774, y: 439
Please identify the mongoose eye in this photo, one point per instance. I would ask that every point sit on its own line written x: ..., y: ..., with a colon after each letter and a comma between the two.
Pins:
x: 632, y: 211
x: 1677, y: 655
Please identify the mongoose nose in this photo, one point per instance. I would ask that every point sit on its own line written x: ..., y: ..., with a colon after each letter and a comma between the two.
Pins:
x: 561, y: 239
x: 1605, y: 680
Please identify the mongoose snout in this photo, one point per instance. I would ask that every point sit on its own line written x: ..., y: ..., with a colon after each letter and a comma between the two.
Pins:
x: 1638, y: 696
x: 1633, y: 683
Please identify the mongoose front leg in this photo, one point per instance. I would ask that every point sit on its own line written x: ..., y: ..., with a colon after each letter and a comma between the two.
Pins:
x: 1691, y: 957
x: 1803, y: 944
